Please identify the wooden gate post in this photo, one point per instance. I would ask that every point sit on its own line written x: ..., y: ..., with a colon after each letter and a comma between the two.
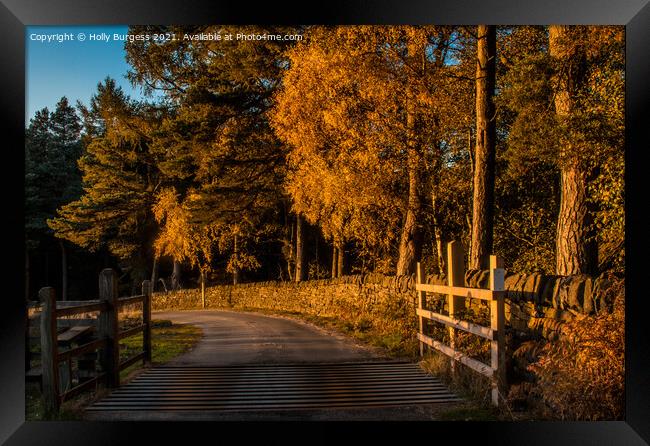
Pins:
x: 455, y: 278
x: 421, y: 301
x: 497, y: 323
x: 49, y: 350
x: 108, y: 327
x: 146, y: 320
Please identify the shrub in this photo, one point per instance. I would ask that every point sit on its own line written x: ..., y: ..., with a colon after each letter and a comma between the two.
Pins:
x: 581, y: 376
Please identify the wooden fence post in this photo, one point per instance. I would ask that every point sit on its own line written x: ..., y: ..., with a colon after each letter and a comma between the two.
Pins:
x: 456, y: 278
x: 146, y: 320
x: 108, y: 327
x: 422, y: 299
x: 49, y: 350
x: 497, y: 322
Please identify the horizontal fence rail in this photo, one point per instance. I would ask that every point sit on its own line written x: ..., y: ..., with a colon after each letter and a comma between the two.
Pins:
x: 131, y: 331
x: 478, y: 330
x: 88, y: 308
x: 474, y: 293
x: 72, y: 307
x: 85, y: 348
x: 106, y: 342
x: 456, y: 296
x: 123, y: 301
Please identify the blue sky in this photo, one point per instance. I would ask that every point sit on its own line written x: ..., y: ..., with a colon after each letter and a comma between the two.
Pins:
x: 72, y: 68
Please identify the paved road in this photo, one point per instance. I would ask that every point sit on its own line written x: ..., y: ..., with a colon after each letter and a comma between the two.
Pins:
x: 234, y: 338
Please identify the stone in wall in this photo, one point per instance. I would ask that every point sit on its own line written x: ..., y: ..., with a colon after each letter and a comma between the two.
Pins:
x: 476, y: 278
x: 514, y: 285
x: 532, y: 288
x: 436, y: 279
x: 546, y: 295
x: 602, y: 298
x: 589, y: 306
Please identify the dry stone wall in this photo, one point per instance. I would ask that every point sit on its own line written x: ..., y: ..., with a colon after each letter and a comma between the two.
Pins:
x: 536, y: 304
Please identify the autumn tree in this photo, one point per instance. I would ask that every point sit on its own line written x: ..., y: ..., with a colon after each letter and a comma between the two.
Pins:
x: 319, y: 97
x: 181, y: 239
x: 301, y: 270
x: 362, y: 110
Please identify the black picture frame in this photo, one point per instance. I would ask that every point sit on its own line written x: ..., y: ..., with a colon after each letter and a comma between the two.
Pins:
x: 16, y: 14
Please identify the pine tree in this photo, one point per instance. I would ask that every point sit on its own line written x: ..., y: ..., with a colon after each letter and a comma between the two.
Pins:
x: 485, y: 154
x: 119, y: 181
x: 51, y: 177
x: 563, y: 93
x: 217, y: 146
x: 38, y: 141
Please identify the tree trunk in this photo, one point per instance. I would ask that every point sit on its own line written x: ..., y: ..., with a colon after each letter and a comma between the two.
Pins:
x: 435, y: 212
x: 176, y: 275
x: 154, y: 273
x: 410, y: 240
x: 574, y: 253
x: 289, y: 250
x: 317, y: 272
x: 470, y: 150
x: 575, y: 248
x: 409, y: 247
x: 28, y: 353
x: 483, y: 197
x: 340, y: 264
x: 235, y: 273
x: 437, y: 233
x: 290, y: 269
x: 335, y: 258
x: 27, y: 275
x: 64, y: 272
x: 202, y: 289
x: 300, y: 249
x: 47, y: 268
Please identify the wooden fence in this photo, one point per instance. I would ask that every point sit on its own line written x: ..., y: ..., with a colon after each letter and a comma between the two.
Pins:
x: 457, y: 293
x: 106, y: 342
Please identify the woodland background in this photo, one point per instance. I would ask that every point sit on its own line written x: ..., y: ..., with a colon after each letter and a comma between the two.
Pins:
x: 351, y: 154
x: 353, y: 150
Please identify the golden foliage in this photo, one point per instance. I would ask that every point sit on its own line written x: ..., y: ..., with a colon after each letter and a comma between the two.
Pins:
x: 342, y: 111
x: 178, y: 237
x: 582, y: 376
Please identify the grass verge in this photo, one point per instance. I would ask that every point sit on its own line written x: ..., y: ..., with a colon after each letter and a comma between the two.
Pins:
x: 167, y: 341
x: 472, y: 387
